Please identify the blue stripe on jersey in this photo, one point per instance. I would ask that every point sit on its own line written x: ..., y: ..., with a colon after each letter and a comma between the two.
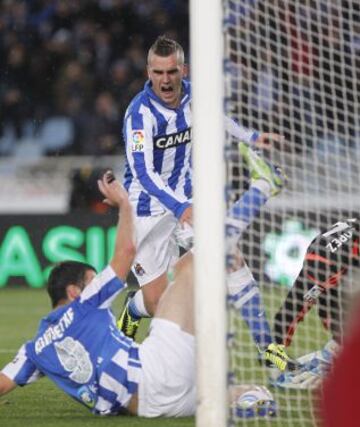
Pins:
x: 188, y: 185
x: 158, y: 160
x: 137, y: 121
x: 143, y: 206
x: 128, y: 177
x: 248, y: 206
x: 180, y: 153
x: 134, y: 353
x: 161, y: 129
x: 25, y: 373
x: 242, y: 292
x: 110, y: 396
x: 160, y: 120
x: 121, y: 376
x: 134, y: 364
x: 106, y: 292
x: 166, y: 199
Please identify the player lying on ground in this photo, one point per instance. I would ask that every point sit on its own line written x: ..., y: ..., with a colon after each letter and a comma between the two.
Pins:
x: 80, y: 349
x: 326, y: 262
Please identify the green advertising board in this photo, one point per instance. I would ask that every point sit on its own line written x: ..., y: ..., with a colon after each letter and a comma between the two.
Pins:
x: 30, y: 245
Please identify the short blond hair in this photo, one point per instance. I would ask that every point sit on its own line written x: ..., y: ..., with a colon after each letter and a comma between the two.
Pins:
x: 164, y: 47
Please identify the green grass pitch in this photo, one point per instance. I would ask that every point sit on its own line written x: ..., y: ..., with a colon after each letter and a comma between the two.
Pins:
x: 42, y: 404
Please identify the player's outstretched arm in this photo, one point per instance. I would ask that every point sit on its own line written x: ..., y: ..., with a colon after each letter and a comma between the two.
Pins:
x: 6, y: 384
x: 124, y: 252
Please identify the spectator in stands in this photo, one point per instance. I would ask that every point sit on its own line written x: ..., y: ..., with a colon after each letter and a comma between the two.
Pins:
x: 64, y: 49
x: 97, y: 131
x: 15, y: 95
x: 73, y: 81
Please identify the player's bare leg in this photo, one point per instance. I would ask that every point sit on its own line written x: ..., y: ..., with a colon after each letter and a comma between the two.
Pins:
x: 177, y: 302
x: 148, y: 297
x: 152, y: 292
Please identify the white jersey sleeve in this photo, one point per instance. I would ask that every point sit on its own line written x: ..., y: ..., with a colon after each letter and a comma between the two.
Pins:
x: 239, y: 132
x: 103, y: 289
x: 21, y: 369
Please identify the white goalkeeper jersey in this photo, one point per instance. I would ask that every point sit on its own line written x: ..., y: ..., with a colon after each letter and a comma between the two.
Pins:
x: 79, y: 348
x: 158, y: 172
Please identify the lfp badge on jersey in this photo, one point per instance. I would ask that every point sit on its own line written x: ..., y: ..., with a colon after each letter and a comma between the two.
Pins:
x: 138, y: 138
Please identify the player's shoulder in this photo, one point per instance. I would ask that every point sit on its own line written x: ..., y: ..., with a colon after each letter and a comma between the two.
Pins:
x: 338, y: 235
x: 341, y: 227
x: 187, y: 86
x: 135, y: 107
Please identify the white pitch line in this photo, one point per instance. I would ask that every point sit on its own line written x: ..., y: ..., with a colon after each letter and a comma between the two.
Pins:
x: 7, y: 350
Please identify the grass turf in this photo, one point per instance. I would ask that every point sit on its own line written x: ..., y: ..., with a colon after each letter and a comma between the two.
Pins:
x: 42, y: 404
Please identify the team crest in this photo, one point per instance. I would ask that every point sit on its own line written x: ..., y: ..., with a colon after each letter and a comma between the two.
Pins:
x: 139, y: 270
x: 86, y: 396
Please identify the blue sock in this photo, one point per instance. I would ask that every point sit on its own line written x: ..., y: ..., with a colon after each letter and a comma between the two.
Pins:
x: 248, y: 206
x: 248, y: 301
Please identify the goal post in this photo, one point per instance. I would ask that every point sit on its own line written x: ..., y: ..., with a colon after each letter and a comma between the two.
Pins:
x: 209, y: 211
x: 288, y: 67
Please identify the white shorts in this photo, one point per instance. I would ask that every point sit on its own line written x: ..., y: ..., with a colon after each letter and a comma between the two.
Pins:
x: 158, y: 239
x: 167, y: 383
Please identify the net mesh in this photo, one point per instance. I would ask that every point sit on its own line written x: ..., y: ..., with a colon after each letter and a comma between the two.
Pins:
x: 292, y: 67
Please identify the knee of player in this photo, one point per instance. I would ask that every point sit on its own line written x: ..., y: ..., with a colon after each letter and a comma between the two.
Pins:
x: 184, y: 267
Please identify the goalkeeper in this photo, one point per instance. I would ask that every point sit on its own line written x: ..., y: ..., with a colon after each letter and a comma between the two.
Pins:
x: 327, y: 261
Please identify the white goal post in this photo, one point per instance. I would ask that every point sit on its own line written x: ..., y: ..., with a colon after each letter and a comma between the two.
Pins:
x: 209, y: 184
x: 288, y: 67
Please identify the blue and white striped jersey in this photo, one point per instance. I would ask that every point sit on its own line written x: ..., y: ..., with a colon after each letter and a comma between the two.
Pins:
x: 79, y: 348
x: 158, y: 173
x: 158, y: 151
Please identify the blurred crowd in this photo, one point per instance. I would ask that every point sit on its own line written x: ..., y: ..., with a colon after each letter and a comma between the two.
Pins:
x: 78, y: 60
x: 69, y: 68
x: 295, y: 68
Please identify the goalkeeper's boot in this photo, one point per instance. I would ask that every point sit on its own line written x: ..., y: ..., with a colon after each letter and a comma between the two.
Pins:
x: 261, y: 169
x: 256, y: 403
x: 126, y: 323
x: 275, y: 355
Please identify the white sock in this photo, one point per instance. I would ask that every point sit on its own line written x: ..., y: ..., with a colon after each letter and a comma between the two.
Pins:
x: 263, y: 186
x: 137, y: 306
x: 239, y: 279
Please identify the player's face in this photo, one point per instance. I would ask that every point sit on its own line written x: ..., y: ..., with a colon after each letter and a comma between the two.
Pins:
x: 166, y: 74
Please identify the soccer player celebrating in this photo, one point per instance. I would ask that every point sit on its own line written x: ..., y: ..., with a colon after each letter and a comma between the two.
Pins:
x: 80, y: 349
x: 158, y: 177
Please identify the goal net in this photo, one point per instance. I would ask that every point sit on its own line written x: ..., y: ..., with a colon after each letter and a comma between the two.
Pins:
x: 292, y: 68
